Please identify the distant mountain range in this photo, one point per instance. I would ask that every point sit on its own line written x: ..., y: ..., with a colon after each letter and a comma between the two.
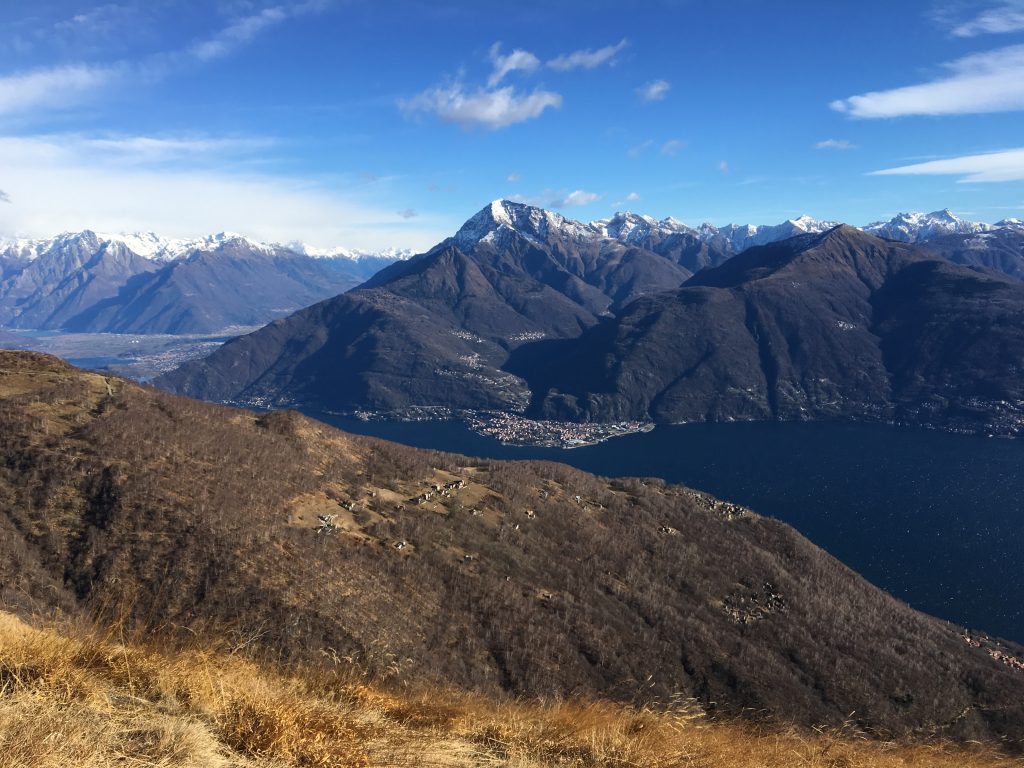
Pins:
x: 141, y: 283
x: 524, y: 310
x: 144, y: 283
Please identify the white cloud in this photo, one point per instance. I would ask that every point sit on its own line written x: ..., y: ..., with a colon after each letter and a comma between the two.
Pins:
x: 1005, y: 18
x: 632, y: 197
x: 491, y: 108
x: 723, y: 166
x: 513, y: 178
x: 517, y: 60
x: 1007, y: 165
x: 984, y: 82
x: 672, y: 147
x: 656, y: 90
x: 53, y: 87
x: 577, y: 198
x: 835, y: 144
x: 64, y: 183
x: 587, y: 59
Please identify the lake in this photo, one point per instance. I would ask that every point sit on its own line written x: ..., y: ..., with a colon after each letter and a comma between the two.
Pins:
x: 934, y: 518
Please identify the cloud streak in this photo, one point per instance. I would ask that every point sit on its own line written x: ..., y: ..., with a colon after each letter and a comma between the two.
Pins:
x: 835, y: 144
x: 984, y: 82
x: 1007, y: 165
x: 587, y: 59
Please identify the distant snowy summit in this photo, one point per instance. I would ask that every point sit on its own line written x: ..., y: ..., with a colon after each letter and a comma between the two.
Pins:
x: 154, y: 247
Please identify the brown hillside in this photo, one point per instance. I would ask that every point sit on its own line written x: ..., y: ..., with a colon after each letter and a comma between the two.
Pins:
x: 531, y: 578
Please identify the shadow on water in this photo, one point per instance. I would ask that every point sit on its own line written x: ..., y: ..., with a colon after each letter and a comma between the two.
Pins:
x: 936, y: 519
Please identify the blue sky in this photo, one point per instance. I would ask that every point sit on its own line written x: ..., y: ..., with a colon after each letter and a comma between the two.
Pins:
x: 370, y: 124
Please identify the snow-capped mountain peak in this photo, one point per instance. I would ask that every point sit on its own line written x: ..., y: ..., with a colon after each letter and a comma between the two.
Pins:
x: 915, y: 227
x: 494, y: 223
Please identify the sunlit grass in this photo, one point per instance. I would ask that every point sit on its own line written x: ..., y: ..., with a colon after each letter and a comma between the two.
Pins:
x: 82, y: 698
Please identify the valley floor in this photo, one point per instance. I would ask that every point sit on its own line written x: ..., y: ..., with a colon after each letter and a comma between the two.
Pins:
x: 72, y: 696
x: 135, y: 356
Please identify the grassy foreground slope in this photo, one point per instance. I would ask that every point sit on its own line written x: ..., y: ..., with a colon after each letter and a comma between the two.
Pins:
x: 87, y: 700
x: 522, y: 578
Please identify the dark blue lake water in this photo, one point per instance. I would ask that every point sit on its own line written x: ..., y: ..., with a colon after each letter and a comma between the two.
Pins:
x: 934, y: 518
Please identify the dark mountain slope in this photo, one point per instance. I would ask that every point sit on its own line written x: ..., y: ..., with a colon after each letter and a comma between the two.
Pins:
x: 837, y: 325
x: 529, y: 577
x: 437, y: 329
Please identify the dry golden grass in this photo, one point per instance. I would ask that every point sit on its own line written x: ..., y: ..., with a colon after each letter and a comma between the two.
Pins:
x: 77, y: 698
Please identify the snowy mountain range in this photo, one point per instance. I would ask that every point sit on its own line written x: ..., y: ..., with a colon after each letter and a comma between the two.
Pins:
x: 154, y: 247
x: 638, y: 229
x: 146, y: 283
x: 143, y: 283
x: 904, y: 227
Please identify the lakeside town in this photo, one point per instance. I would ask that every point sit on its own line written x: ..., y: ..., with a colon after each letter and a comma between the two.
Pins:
x: 511, y: 429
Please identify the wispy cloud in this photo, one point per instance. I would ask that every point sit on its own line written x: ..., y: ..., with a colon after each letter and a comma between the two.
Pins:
x: 835, y: 144
x: 1007, y: 165
x: 54, y: 87
x: 4, y: 197
x: 156, y: 149
x: 517, y: 60
x: 673, y: 147
x: 984, y: 82
x: 490, y: 108
x: 1001, y: 19
x: 587, y: 59
x: 656, y: 90
x: 723, y: 166
x: 71, y: 84
x: 513, y: 178
x: 237, y: 34
x: 632, y: 197
x: 408, y: 213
